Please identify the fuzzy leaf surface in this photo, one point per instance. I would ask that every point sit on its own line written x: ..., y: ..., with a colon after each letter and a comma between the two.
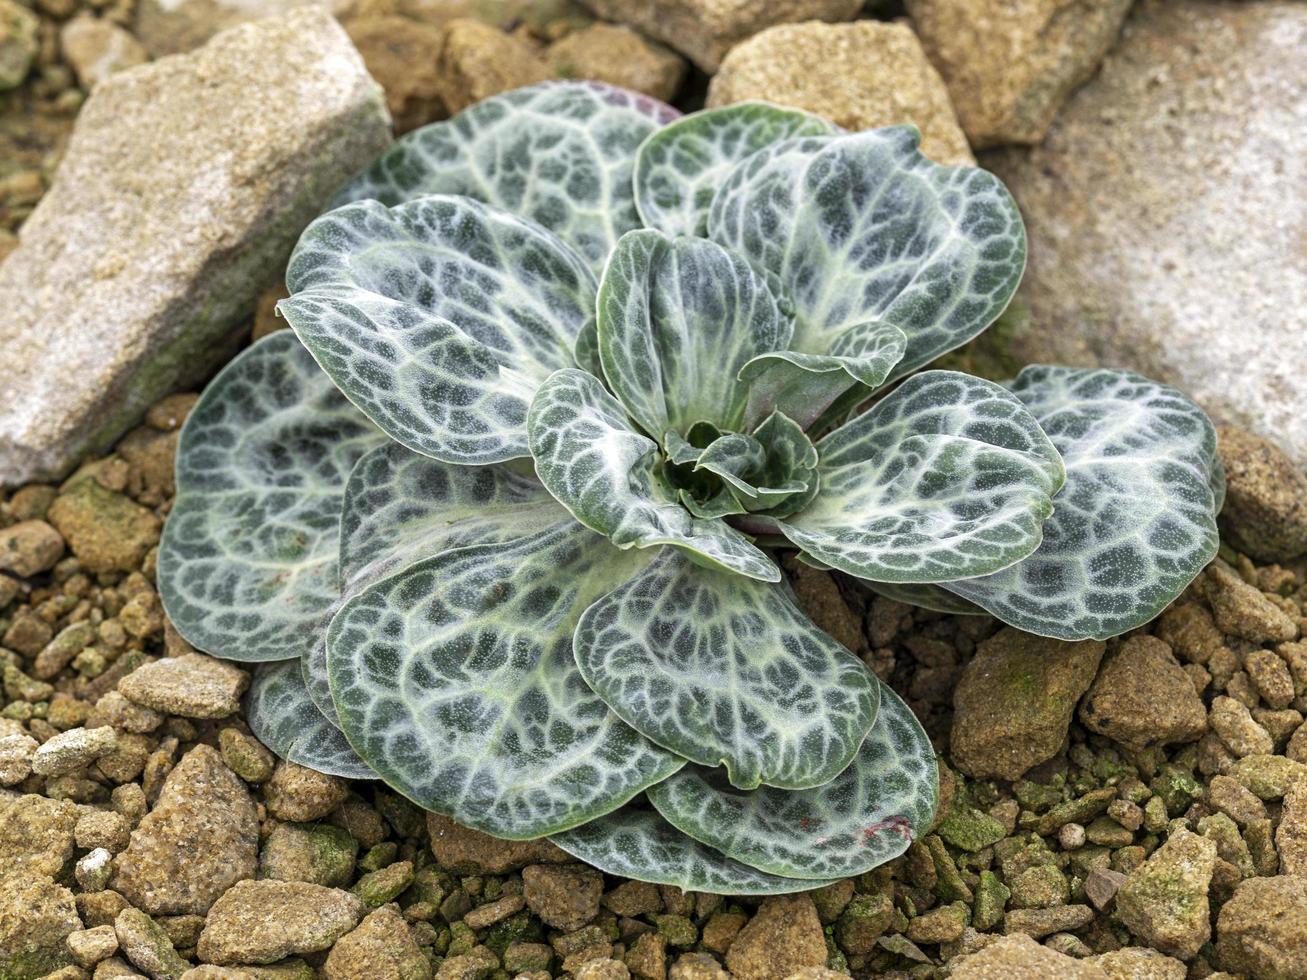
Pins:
x: 865, y: 816
x: 861, y: 228
x: 1135, y: 521
x: 677, y: 320
x: 726, y: 670
x: 455, y: 681
x: 604, y: 473
x: 946, y: 475
x: 283, y: 716
x: 642, y: 845
x: 680, y: 167
x: 439, y: 318
x: 247, y: 564
x: 559, y: 153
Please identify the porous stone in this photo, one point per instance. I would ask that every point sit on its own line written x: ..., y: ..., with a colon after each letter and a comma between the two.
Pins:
x: 1019, y: 957
x: 704, y: 30
x: 1241, y: 610
x: 382, y: 947
x: 1045, y: 922
x: 246, y: 755
x: 30, y: 547
x: 192, y: 686
x: 136, y: 271
x: 147, y: 946
x: 97, y: 48
x: 36, y: 918
x: 462, y: 850
x: 860, y: 75
x: 1138, y: 963
x: 72, y: 750
x: 479, y: 60
x: 1265, y: 512
x: 1236, y: 728
x: 1142, y: 697
x: 90, y: 946
x: 36, y: 835
x: 318, y: 853
x: 19, y: 43
x: 563, y: 896
x: 299, y: 794
x: 265, y: 921
x: 106, y: 530
x: 16, y: 751
x: 784, y: 936
x: 403, y: 55
x: 1164, y: 900
x: 1145, y: 266
x: 1262, y: 930
x: 174, y: 26
x: 1010, y: 66
x: 619, y: 56
x: 1291, y: 835
x: 200, y: 838
x: 1014, y: 701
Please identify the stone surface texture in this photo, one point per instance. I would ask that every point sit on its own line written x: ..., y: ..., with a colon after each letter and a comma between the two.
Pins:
x: 138, y: 266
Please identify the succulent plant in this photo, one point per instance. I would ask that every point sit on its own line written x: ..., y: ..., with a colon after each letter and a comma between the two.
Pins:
x: 498, y: 519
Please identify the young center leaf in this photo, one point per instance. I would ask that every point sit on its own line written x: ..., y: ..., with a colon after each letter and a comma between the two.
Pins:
x: 247, y: 564
x: 284, y: 717
x: 439, y: 318
x: 680, y: 167
x: 604, y: 473
x: 455, y: 681
x: 865, y: 816
x: 726, y: 671
x: 639, y: 844
x: 946, y: 476
x: 1136, y: 520
x: 560, y: 154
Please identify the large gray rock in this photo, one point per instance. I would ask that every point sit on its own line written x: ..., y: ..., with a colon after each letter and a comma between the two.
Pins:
x: 1165, y: 212
x: 185, y: 184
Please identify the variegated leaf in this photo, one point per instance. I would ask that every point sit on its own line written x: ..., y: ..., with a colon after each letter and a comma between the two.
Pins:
x: 680, y: 167
x: 934, y: 597
x: 677, y: 320
x: 560, y: 153
x: 247, y: 564
x: 725, y: 670
x: 455, y: 681
x: 1136, y: 520
x: 439, y: 318
x: 604, y: 472
x: 284, y: 718
x: 947, y: 477
x: 861, y: 228
x: 639, y: 844
x: 865, y: 816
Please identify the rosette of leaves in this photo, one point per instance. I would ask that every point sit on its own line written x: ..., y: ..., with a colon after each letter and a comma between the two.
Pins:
x: 500, y: 519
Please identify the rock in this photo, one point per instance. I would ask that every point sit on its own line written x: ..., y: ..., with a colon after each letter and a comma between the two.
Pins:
x: 192, y: 686
x: 147, y: 946
x: 376, y: 888
x: 1014, y: 700
x: 1236, y: 728
x: 299, y: 794
x: 36, y: 918
x: 704, y: 30
x: 633, y: 898
x: 1138, y: 963
x: 16, y: 751
x: 30, y: 547
x: 1241, y: 610
x: 245, y: 755
x: 19, y: 43
x: 90, y: 946
x: 138, y: 269
x: 102, y: 828
x: 168, y: 413
x: 98, y: 48
x: 200, y: 838
x: 1019, y: 957
x: 940, y: 925
x: 265, y: 921
x: 1045, y: 922
x: 59, y: 652
x: 173, y: 26
x: 320, y: 854
x: 72, y: 750
x: 1265, y: 512
x: 1101, y: 886
x: 479, y: 61
x: 563, y: 896
x: 602, y: 969
x: 403, y: 55
x: 462, y: 850
x: 1267, y: 776
x: 1142, y: 697
x: 1010, y: 67
x: 1262, y: 930
x: 381, y: 947
x: 1291, y: 835
x: 697, y: 966
x: 107, y: 531
x: 619, y: 56
x: 1164, y: 900
x: 1145, y: 266
x: 818, y: 595
x: 128, y: 716
x: 860, y: 75
x: 784, y: 936
x: 93, y: 870
x: 36, y: 835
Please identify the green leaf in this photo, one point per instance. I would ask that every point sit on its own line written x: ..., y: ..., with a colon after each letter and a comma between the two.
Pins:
x: 680, y: 167
x: 865, y: 816
x: 560, y: 154
x: 247, y: 564
x: 605, y: 473
x: 727, y: 671
x: 439, y: 318
x: 677, y: 320
x: 455, y: 681
x: 640, y: 844
x: 284, y: 718
x: 863, y: 229
x: 1135, y: 521
x: 947, y: 477
x: 922, y: 594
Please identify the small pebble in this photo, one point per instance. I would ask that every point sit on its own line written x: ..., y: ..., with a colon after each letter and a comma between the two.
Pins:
x: 71, y: 750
